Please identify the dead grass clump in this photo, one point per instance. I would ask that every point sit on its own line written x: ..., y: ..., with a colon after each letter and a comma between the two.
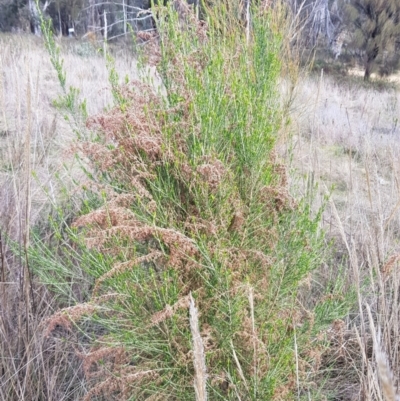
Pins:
x: 154, y: 257
x: 169, y: 311
x: 111, y: 374
x: 212, y: 173
x: 387, y: 268
x: 180, y: 247
x: 66, y: 317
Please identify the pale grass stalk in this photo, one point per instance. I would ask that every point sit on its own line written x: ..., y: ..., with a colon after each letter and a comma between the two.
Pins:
x: 27, y: 282
x: 362, y: 346
x: 367, y: 176
x: 316, y: 101
x: 296, y: 354
x: 335, y: 213
x: 364, y: 358
x: 383, y: 368
x: 392, y: 214
x: 240, y: 370
x: 2, y: 104
x: 2, y: 246
x: 2, y: 271
x: 253, y: 328
x: 28, y: 200
x: 234, y: 386
x: 248, y: 21
x: 199, y: 359
x: 350, y: 153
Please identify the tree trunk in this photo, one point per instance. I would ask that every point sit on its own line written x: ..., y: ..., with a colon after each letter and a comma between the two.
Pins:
x: 125, y: 18
x: 59, y: 20
x: 367, y: 72
x: 105, y: 34
x: 34, y: 18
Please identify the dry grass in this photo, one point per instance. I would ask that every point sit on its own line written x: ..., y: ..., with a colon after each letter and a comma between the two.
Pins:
x: 36, y: 166
x: 346, y: 139
x: 28, y: 86
x: 199, y: 358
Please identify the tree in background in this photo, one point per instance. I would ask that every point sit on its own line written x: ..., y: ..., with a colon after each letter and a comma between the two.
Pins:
x: 81, y: 15
x: 375, y: 27
x: 12, y: 14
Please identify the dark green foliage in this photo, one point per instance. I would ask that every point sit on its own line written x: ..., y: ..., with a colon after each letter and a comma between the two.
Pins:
x: 12, y: 14
x: 375, y: 33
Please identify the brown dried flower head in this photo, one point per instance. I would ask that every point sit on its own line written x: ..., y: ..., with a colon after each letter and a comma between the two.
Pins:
x: 212, y: 173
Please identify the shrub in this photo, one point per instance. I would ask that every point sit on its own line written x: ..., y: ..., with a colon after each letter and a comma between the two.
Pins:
x: 195, y: 214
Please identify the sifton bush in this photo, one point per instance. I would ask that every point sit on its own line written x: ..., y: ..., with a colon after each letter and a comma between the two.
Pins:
x: 188, y: 208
